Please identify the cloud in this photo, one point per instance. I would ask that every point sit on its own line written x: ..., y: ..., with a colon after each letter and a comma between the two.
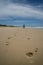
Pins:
x: 17, y: 10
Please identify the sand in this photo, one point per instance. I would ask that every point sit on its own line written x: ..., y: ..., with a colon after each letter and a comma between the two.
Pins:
x: 20, y: 46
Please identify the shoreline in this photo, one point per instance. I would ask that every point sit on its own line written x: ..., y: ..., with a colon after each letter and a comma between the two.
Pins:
x: 36, y: 27
x: 22, y: 27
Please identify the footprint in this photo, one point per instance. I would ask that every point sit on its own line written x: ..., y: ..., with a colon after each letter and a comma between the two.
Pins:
x: 7, y: 43
x: 36, y: 49
x: 29, y: 54
x: 10, y: 37
x: 28, y: 38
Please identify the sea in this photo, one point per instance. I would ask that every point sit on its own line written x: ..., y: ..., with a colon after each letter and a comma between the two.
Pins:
x: 28, y: 23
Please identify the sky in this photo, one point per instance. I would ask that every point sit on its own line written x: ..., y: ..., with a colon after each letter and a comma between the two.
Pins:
x: 18, y: 12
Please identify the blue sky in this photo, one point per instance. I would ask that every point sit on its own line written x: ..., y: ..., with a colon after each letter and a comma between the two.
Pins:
x: 18, y: 12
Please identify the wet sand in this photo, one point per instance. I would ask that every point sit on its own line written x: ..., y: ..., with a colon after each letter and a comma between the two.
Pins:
x: 20, y: 46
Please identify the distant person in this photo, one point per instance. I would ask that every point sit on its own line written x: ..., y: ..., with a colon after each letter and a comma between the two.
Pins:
x: 23, y: 25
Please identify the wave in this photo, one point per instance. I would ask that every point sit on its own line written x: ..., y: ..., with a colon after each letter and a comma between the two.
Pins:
x: 35, y: 27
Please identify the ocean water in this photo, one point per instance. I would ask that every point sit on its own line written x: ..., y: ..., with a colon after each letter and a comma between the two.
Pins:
x: 28, y: 23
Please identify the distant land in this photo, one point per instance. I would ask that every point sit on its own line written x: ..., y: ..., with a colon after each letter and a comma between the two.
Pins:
x: 1, y: 25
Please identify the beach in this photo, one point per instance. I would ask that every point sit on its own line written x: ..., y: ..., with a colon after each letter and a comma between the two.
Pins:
x: 21, y: 46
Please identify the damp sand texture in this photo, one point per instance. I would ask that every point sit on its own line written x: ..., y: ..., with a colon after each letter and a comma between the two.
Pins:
x: 20, y: 46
